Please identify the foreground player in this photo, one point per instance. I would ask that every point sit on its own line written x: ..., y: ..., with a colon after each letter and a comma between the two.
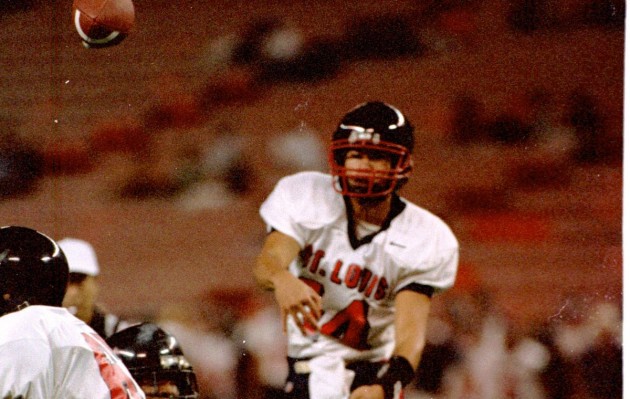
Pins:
x: 45, y: 352
x: 353, y: 266
x: 156, y: 361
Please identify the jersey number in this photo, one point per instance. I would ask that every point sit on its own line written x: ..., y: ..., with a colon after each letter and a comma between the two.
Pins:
x: 350, y: 325
x: 120, y: 384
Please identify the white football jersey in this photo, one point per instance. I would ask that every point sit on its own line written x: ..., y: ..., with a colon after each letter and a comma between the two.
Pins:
x: 46, y: 353
x: 357, y: 283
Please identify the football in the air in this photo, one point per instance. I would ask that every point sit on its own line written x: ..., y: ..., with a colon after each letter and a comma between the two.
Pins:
x: 103, y: 23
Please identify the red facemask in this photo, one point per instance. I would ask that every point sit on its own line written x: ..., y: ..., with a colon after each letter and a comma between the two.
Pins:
x: 369, y: 182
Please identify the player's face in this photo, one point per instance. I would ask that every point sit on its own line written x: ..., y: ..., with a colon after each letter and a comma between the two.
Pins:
x: 81, y: 296
x: 363, y: 169
x: 162, y: 389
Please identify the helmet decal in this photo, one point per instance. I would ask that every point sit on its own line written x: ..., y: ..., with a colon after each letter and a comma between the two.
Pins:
x: 359, y: 133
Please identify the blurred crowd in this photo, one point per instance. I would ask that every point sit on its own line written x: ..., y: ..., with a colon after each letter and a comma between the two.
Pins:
x: 158, y: 161
x: 234, y: 341
x: 474, y: 350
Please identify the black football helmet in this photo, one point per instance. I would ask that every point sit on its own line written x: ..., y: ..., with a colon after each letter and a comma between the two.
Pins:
x: 372, y: 127
x: 33, y: 269
x: 154, y: 357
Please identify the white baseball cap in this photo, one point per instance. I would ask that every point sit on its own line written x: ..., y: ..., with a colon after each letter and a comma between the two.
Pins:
x: 80, y: 255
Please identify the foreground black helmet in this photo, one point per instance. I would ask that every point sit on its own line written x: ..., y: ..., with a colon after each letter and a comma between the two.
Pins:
x: 33, y: 269
x: 156, y: 361
x: 373, y: 127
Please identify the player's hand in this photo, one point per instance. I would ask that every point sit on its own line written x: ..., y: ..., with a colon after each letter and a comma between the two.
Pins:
x: 368, y: 392
x: 298, y: 301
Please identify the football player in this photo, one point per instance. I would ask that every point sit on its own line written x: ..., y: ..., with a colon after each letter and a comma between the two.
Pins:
x: 45, y: 352
x: 353, y: 265
x: 156, y: 361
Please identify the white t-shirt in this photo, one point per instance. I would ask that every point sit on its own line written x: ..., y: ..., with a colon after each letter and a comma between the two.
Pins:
x: 46, y: 353
x: 357, y: 283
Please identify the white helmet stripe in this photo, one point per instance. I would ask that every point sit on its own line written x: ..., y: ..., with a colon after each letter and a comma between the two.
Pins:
x: 86, y: 38
x: 401, y: 117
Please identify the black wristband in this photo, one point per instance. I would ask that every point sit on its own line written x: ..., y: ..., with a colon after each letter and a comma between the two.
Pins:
x: 394, y: 375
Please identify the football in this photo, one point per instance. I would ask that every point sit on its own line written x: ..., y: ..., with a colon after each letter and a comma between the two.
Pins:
x: 103, y: 23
